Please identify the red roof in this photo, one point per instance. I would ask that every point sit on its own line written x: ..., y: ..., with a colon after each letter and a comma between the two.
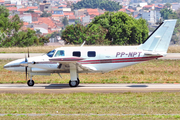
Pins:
x: 23, y: 9
x: 93, y: 11
x: 130, y: 10
x: 68, y: 13
x: 32, y: 7
x: 11, y: 8
x: 46, y: 20
x: 148, y: 6
x: 72, y: 17
x: 37, y: 11
x: 10, y: 4
x: 57, y: 15
x: 25, y: 23
x: 1, y: 1
x: 123, y: 10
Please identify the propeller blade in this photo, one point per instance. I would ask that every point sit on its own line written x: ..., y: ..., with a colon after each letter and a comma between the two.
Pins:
x: 28, y: 52
x: 25, y: 58
x: 26, y: 72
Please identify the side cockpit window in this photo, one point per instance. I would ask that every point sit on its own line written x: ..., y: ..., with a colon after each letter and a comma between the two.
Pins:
x: 51, y: 53
x: 77, y: 53
x: 91, y: 54
x: 59, y: 53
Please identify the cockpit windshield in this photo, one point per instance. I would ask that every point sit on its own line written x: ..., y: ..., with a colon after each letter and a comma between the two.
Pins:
x: 59, y: 53
x: 51, y: 53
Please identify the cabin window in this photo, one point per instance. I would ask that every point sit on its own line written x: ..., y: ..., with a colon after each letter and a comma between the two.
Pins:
x: 77, y: 53
x: 91, y: 54
x: 51, y: 53
x: 59, y: 53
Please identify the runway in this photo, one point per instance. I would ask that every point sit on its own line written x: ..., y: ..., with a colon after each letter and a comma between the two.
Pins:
x: 171, y: 56
x: 88, y: 88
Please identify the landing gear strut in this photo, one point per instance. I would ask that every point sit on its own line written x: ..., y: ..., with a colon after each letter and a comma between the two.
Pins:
x: 74, y: 82
x: 31, y: 81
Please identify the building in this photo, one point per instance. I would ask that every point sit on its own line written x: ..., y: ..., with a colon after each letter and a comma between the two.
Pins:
x: 151, y: 16
x: 26, y: 17
x: 175, y: 6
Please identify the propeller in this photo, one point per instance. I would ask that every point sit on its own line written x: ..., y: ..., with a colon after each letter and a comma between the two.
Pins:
x: 26, y: 60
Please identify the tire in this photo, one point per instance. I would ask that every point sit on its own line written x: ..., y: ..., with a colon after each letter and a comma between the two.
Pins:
x: 78, y: 81
x: 73, y: 83
x: 30, y: 83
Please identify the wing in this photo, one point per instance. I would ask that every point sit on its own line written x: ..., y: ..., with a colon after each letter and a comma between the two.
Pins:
x: 73, y: 61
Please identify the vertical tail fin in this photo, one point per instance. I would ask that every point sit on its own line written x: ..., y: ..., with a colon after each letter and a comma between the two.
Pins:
x: 159, y: 40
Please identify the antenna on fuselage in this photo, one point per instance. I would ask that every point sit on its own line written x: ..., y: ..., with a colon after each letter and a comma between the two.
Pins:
x: 83, y: 43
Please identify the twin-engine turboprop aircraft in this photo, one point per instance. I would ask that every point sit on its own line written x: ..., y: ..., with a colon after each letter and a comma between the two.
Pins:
x: 75, y: 60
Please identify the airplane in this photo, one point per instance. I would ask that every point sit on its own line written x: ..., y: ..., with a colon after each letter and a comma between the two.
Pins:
x: 93, y: 59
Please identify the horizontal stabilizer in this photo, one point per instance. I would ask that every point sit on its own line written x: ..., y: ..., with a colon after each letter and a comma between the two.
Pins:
x: 154, y: 53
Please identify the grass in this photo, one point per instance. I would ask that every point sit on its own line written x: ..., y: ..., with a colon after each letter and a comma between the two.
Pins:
x: 154, y: 71
x: 131, y: 117
x: 45, y: 49
x: 148, y: 104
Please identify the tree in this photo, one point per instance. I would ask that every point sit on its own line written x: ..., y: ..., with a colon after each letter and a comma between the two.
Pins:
x: 167, y: 5
x: 74, y: 34
x: 96, y: 35
x: 77, y: 34
x: 168, y: 14
x: 102, y: 4
x: 55, y: 34
x: 122, y: 28
x: 65, y: 21
x: 38, y: 31
x: 11, y: 35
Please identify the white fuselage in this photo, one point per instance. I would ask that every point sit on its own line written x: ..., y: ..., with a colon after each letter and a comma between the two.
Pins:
x: 100, y: 59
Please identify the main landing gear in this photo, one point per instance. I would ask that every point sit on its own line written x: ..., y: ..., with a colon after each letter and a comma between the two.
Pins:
x: 74, y: 83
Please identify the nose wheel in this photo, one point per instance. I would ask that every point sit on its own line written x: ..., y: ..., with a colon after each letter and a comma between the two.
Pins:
x: 30, y: 82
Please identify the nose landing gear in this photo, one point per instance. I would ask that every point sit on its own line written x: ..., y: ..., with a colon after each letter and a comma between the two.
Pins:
x: 30, y: 83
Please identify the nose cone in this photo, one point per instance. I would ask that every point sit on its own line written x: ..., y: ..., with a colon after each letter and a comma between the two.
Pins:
x: 13, y: 66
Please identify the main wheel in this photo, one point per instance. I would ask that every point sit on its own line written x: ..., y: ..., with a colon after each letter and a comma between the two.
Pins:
x: 73, y: 83
x: 78, y: 81
x: 30, y: 82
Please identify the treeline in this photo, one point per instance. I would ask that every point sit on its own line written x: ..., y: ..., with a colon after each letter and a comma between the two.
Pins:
x: 102, y: 4
x: 109, y: 28
x: 12, y: 35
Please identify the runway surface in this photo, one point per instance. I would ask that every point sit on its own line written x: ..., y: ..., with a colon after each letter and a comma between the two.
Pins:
x: 172, y: 56
x: 89, y: 88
